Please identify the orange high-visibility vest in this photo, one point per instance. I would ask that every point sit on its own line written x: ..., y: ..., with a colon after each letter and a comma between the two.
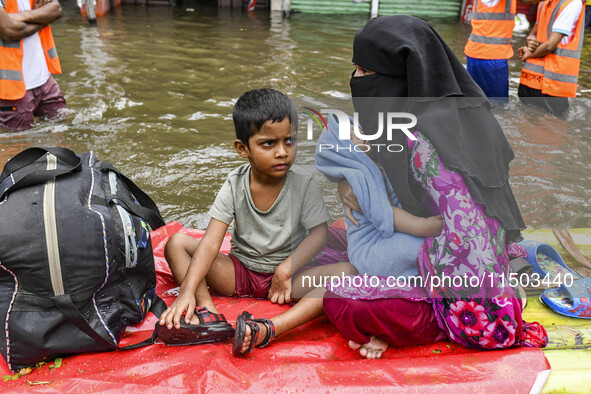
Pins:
x: 557, y: 73
x: 492, y: 30
x: 12, y: 85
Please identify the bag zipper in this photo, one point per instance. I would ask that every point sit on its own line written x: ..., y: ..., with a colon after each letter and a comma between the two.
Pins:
x: 51, y: 239
x: 130, y: 242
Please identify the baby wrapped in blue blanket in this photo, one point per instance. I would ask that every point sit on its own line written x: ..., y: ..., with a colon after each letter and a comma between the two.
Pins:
x: 375, y: 246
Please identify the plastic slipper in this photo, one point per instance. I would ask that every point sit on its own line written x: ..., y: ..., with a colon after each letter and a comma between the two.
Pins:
x: 212, y: 327
x: 246, y: 319
x: 572, y: 300
x: 546, y: 261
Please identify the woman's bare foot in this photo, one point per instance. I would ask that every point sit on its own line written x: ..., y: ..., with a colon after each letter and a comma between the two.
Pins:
x: 371, y: 350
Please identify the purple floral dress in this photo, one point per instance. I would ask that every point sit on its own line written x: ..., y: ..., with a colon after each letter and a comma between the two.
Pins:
x: 481, y: 311
x: 462, y: 268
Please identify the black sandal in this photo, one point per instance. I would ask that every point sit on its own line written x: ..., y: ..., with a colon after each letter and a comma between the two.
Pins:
x: 247, y: 319
x: 212, y: 327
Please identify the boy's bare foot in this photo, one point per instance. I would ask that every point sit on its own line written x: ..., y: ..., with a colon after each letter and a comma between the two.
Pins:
x: 195, y: 319
x: 263, y: 329
x: 248, y: 337
x: 371, y: 350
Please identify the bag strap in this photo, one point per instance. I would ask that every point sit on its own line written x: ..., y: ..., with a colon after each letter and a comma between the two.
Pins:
x: 147, y: 208
x: 157, y: 308
x: 65, y: 304
x: 10, y: 181
x: 153, y: 218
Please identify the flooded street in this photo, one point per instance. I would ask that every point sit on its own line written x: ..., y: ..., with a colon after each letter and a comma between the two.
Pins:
x: 151, y: 90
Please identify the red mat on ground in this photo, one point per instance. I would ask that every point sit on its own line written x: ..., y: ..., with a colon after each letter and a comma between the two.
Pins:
x: 313, y: 357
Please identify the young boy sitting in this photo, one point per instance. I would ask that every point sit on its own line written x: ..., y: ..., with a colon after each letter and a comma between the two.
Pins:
x: 279, y: 226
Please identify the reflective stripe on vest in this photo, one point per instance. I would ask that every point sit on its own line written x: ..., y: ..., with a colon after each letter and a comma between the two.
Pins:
x: 533, y: 67
x: 561, y: 77
x: 9, y: 44
x: 561, y: 67
x: 490, y: 40
x: 52, y: 53
x: 11, y: 75
x: 12, y: 85
x: 492, y: 29
x: 568, y: 52
x: 532, y: 73
x: 492, y: 16
x: 548, y: 31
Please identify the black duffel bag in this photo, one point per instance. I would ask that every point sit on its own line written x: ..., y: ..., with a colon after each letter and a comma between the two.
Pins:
x: 76, y: 262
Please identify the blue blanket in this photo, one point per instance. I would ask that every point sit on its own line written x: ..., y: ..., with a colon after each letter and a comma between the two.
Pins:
x: 374, y: 247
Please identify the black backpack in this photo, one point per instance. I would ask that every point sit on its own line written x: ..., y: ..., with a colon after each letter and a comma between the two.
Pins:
x: 76, y: 262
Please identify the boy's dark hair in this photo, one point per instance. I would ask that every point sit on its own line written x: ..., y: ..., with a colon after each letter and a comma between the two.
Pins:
x: 258, y: 106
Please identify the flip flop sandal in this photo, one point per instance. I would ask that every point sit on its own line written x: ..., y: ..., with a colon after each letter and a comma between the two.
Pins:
x: 212, y: 327
x: 546, y: 261
x: 247, y: 319
x: 572, y: 300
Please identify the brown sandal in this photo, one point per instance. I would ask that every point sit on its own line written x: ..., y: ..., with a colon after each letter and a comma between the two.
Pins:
x: 212, y: 327
x: 247, y: 319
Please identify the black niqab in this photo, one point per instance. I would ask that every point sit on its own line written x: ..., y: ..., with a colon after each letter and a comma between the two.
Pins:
x: 417, y: 72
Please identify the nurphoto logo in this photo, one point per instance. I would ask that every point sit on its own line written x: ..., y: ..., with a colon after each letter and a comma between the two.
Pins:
x: 394, y: 122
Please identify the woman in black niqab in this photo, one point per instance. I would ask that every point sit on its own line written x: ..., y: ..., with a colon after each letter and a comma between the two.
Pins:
x: 457, y: 167
x: 416, y: 72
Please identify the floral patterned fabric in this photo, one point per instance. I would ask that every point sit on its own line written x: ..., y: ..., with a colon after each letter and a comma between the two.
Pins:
x: 482, y: 311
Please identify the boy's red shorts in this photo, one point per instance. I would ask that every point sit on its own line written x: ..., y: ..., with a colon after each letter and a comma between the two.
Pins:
x: 250, y: 283
x: 257, y: 284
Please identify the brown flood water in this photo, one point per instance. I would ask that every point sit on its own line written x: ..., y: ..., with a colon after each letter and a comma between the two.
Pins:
x: 151, y: 91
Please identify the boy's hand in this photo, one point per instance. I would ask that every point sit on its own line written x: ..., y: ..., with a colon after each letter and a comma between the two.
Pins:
x: 184, y: 303
x: 280, y: 291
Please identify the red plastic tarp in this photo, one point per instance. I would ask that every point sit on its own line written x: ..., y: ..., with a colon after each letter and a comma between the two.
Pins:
x: 313, y: 357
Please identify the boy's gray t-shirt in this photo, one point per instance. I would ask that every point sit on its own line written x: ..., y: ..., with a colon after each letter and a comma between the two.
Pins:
x: 263, y: 240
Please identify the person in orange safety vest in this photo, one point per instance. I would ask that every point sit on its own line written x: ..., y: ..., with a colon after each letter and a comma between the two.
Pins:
x: 28, y: 57
x: 489, y: 45
x: 552, y: 55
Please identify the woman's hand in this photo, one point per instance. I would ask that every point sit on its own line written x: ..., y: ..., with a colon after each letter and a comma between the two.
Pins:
x: 349, y: 200
x: 280, y: 291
